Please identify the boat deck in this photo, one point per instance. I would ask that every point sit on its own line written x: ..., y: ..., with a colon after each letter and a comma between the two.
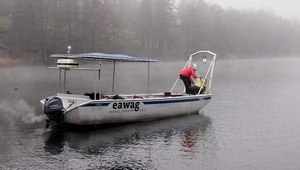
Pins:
x: 91, y: 96
x: 121, y: 96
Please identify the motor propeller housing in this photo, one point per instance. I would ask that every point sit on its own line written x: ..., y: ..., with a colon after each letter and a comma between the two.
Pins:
x: 53, y: 108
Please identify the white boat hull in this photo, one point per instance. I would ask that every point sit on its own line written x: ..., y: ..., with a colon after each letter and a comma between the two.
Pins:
x: 107, y: 111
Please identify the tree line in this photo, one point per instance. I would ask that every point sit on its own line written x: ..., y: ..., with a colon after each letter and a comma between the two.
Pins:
x: 162, y: 29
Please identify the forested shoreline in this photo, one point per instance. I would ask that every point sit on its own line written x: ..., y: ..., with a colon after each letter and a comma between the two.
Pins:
x: 161, y: 29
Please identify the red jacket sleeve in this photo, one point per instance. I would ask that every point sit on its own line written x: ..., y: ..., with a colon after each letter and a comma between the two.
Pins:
x: 191, y: 80
x: 194, y: 74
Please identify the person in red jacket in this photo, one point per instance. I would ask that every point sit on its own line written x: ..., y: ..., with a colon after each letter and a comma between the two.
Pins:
x: 185, y: 76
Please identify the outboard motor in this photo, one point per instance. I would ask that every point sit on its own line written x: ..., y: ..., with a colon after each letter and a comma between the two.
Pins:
x: 53, y: 108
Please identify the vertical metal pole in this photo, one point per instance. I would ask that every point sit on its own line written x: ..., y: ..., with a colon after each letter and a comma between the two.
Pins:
x: 148, y: 78
x: 209, y: 80
x: 212, y: 72
x: 65, y: 77
x: 99, y: 72
x: 99, y: 77
x: 95, y: 85
x: 59, y: 81
x: 113, y: 83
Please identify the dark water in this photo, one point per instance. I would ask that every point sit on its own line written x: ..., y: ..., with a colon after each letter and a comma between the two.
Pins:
x: 252, y: 122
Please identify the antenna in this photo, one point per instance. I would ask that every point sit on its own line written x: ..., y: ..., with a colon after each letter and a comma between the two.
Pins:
x: 69, y: 49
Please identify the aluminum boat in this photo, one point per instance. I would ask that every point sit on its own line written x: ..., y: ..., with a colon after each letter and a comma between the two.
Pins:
x: 98, y: 109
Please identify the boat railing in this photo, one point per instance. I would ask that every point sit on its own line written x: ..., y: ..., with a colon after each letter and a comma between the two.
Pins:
x: 209, y: 71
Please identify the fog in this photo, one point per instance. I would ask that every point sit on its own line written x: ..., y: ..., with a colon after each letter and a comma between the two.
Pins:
x: 164, y: 30
x: 20, y: 109
x: 20, y: 90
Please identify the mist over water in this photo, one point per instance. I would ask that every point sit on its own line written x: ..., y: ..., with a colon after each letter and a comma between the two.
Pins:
x: 252, y: 121
x: 20, y: 87
x: 19, y: 109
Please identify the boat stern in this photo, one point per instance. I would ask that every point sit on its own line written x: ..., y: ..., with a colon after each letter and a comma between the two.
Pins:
x: 53, y: 108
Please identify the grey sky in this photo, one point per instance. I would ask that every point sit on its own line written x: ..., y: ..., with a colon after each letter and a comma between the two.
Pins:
x: 285, y: 8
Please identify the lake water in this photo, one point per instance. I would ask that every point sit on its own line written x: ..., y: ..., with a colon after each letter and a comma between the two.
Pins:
x: 252, y: 122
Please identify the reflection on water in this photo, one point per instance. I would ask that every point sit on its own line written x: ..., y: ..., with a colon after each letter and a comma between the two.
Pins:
x: 137, y: 145
x: 54, y: 143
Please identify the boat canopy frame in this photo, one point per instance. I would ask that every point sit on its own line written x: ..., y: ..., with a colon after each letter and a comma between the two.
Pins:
x: 98, y: 57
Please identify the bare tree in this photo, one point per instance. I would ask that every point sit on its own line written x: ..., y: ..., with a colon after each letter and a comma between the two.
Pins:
x: 40, y: 28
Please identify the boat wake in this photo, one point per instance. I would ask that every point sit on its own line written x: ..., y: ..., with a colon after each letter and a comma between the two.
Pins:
x: 20, y: 109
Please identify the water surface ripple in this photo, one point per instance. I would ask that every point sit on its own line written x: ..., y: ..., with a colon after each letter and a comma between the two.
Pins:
x: 252, y: 122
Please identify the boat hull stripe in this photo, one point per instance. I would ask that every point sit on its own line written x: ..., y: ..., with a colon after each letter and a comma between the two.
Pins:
x: 174, y: 101
x: 151, y: 102
x: 95, y: 104
x: 207, y: 98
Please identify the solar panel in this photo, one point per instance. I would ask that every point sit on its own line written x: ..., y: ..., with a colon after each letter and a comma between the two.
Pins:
x: 102, y: 56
